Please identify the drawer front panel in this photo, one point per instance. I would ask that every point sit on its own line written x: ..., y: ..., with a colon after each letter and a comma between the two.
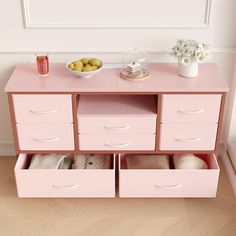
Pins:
x: 169, y: 183
x: 45, y: 136
x: 43, y: 108
x: 64, y: 183
x: 190, y: 108
x: 115, y: 125
x: 188, y: 136
x: 117, y: 142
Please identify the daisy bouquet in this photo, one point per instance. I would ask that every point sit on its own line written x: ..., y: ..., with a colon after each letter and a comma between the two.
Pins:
x: 187, y: 51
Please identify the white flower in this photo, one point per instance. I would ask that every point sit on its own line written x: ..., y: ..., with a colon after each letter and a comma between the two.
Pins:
x: 177, y: 48
x: 180, y: 52
x: 197, y: 53
x: 199, y: 46
x: 185, y: 61
x: 200, y: 58
x: 190, y: 50
x: 206, y: 54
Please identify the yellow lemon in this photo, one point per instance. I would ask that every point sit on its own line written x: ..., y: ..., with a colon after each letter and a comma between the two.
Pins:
x: 85, y: 61
x: 94, y: 67
x: 95, y: 62
x: 78, y: 64
x: 71, y: 66
x: 87, y: 68
x: 78, y: 68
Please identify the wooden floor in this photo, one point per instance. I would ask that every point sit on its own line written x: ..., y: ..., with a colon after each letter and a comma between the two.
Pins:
x: 111, y: 217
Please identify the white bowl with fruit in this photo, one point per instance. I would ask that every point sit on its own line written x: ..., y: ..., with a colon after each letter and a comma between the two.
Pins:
x: 85, y: 67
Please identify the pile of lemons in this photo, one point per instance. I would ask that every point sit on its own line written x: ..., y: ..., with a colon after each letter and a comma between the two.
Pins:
x: 85, y: 64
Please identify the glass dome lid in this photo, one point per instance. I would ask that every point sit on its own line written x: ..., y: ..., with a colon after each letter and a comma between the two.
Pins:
x: 135, y: 65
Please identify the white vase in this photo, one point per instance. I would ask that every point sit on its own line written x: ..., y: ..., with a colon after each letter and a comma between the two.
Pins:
x: 188, y: 71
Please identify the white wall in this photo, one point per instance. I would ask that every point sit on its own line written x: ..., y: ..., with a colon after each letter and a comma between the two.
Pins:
x: 68, y: 36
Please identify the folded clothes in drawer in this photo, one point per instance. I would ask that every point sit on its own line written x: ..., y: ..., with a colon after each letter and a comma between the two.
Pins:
x: 63, y: 182
x: 139, y: 161
x: 70, y: 161
x: 169, y: 182
x: 92, y: 161
x: 164, y: 161
x: 51, y: 161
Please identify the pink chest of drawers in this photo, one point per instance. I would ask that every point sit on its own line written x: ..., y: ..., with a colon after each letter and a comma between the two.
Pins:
x: 164, y: 114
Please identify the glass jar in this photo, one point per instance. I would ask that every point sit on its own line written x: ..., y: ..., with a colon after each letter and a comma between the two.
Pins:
x: 134, y: 65
x: 42, y: 64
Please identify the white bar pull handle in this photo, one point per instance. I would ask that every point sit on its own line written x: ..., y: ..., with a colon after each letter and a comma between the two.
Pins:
x: 168, y: 186
x: 43, y: 112
x: 117, y: 127
x: 45, y: 139
x: 188, y: 139
x: 65, y: 186
x: 189, y: 112
x: 117, y: 145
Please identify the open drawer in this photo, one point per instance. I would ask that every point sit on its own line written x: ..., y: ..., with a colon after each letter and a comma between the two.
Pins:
x: 169, y: 182
x: 97, y: 183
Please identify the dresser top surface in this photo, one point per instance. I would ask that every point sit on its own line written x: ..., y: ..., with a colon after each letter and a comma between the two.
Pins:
x: 163, y: 78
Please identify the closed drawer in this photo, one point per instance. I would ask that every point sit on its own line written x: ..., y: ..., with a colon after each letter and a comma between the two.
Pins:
x: 188, y: 136
x: 117, y: 141
x: 190, y: 108
x: 114, y: 125
x: 169, y: 183
x: 63, y: 183
x: 42, y: 108
x: 45, y: 136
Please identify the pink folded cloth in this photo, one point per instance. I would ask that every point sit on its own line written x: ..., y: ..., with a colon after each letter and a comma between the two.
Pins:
x: 140, y: 161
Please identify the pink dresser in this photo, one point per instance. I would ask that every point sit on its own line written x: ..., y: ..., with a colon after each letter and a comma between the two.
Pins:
x: 165, y: 114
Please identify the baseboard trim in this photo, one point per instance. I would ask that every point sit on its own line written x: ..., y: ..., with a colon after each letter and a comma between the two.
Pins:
x: 7, y: 148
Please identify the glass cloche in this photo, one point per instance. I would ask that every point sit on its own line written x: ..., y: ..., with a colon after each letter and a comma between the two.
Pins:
x: 135, y: 65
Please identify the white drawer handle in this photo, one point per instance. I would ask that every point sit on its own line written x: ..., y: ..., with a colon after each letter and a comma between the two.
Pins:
x: 45, y: 139
x: 117, y: 145
x: 187, y: 139
x: 168, y: 186
x: 189, y: 112
x: 117, y: 127
x: 65, y: 186
x: 43, y: 112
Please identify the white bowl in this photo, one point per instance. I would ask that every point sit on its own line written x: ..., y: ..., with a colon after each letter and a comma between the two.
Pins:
x: 84, y: 74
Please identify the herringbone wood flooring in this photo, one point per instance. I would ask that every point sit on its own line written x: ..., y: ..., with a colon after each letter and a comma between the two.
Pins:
x: 111, y: 217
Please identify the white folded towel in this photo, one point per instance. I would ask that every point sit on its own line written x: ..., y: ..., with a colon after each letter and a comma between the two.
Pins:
x: 188, y: 161
x: 147, y: 161
x: 51, y: 161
